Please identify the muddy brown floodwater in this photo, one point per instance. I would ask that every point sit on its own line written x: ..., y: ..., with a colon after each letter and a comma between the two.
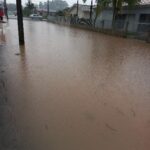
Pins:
x: 71, y: 89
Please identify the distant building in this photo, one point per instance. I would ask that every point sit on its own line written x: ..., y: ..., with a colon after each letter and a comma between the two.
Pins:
x: 83, y: 11
x: 11, y: 7
x: 55, y: 5
x: 44, y: 12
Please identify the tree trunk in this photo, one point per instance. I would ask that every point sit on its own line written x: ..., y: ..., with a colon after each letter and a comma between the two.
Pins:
x: 114, y: 13
x: 91, y: 10
x: 114, y: 18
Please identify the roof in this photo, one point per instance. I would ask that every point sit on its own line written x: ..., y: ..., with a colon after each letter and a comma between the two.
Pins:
x: 85, y: 8
x: 138, y: 6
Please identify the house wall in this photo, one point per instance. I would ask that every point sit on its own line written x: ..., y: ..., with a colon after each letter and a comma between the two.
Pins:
x: 74, y: 12
x: 81, y: 14
x: 134, y: 21
x: 86, y: 15
x: 133, y: 17
x: 107, y: 16
x: 132, y: 26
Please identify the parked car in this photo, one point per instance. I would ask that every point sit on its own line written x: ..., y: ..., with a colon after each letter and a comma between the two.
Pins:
x: 36, y: 17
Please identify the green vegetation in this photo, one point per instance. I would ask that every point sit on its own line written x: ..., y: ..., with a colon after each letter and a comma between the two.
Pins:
x: 101, y: 4
x: 117, y: 6
x: 28, y: 9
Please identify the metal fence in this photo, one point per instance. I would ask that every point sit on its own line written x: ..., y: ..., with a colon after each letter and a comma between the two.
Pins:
x: 140, y: 30
x: 59, y: 19
x: 129, y: 28
x: 143, y: 27
x: 123, y: 25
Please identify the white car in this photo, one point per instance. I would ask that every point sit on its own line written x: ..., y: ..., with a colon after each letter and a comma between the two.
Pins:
x: 36, y: 17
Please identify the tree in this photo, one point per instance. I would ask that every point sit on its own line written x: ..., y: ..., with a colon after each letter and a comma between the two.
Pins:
x: 117, y: 6
x: 30, y: 5
x: 57, y: 5
x: 29, y: 8
x: 60, y: 13
x: 77, y: 7
x: 100, y: 6
x: 131, y: 3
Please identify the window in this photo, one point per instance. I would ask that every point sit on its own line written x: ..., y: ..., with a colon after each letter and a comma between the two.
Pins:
x: 144, y: 18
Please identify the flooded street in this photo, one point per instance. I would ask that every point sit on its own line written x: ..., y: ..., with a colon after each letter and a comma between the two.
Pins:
x: 72, y: 89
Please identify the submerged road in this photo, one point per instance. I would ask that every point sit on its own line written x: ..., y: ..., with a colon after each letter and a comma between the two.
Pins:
x: 71, y: 89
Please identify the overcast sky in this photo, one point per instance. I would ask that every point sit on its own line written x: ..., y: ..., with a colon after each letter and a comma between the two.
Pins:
x: 70, y: 2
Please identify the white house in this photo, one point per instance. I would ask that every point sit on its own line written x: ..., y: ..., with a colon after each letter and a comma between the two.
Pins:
x: 83, y: 11
x: 138, y: 18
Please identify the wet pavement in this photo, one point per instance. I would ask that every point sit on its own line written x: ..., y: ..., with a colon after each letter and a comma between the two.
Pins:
x: 71, y: 89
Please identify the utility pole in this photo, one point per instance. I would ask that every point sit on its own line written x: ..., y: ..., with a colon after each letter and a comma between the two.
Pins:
x: 91, y: 10
x: 5, y: 9
x: 20, y: 22
x: 47, y: 8
x: 77, y: 7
